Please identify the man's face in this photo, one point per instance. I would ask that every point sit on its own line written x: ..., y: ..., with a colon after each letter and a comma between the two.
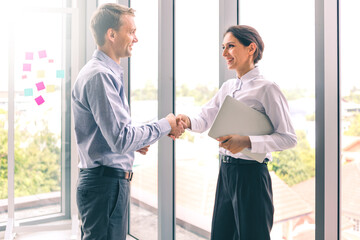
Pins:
x: 125, y: 37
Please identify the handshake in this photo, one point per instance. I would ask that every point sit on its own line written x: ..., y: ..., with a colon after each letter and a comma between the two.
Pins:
x: 178, y: 125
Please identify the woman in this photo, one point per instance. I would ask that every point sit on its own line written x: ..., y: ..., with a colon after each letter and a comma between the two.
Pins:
x: 243, y: 203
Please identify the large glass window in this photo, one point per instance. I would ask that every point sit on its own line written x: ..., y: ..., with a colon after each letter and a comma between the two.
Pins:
x: 197, y: 81
x: 3, y: 121
x: 144, y: 109
x: 288, y: 60
x: 41, y: 59
x: 350, y: 119
x: 39, y: 73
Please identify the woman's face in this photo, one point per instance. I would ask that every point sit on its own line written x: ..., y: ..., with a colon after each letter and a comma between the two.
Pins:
x: 238, y: 57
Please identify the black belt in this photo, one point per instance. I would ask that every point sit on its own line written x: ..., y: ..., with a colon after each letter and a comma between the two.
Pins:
x: 109, y: 172
x: 232, y: 160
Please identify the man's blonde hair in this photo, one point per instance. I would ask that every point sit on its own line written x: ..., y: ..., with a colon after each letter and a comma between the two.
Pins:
x: 107, y: 16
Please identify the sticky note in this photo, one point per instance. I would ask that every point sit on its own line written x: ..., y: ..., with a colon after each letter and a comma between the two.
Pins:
x: 51, y: 60
x: 27, y: 67
x: 29, y: 56
x: 39, y: 100
x: 60, y: 74
x: 42, y: 54
x: 40, y: 86
x: 23, y: 76
x: 50, y: 88
x: 28, y: 91
x: 41, y: 74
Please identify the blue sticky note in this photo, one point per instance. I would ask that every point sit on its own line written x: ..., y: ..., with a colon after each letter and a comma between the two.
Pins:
x: 60, y: 74
x: 28, y: 92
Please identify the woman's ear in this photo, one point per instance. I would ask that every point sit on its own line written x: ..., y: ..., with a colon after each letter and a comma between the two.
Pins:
x: 252, y: 48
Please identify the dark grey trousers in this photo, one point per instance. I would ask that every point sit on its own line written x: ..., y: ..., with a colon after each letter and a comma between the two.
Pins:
x: 243, y: 204
x: 103, y: 206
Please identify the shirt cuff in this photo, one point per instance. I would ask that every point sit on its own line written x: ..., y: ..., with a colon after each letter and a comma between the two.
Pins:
x: 257, y: 144
x: 193, y: 125
x: 164, y: 125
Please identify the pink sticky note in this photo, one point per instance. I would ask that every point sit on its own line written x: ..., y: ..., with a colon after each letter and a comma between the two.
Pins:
x: 39, y: 100
x: 27, y: 67
x: 40, y: 86
x: 29, y: 56
x: 51, y: 60
x: 42, y: 54
x: 23, y: 76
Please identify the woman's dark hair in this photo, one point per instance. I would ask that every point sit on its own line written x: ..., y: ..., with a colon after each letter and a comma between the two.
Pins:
x: 246, y: 35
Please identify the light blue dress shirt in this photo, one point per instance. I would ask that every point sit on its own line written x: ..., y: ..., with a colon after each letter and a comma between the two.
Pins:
x: 103, y: 129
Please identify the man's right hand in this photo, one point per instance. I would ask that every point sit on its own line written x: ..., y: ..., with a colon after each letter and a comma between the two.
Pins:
x: 177, y: 126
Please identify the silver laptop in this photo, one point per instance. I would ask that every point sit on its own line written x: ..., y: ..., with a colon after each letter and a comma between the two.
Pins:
x: 234, y: 117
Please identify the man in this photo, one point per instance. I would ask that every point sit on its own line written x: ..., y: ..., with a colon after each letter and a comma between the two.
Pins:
x: 105, y: 137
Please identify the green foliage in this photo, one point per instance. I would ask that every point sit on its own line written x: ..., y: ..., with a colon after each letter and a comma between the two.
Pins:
x: 310, y: 117
x: 189, y: 136
x: 3, y: 162
x: 354, y: 96
x: 354, y: 128
x: 295, y: 93
x: 37, y: 161
x: 149, y: 92
x: 201, y: 93
x: 297, y: 164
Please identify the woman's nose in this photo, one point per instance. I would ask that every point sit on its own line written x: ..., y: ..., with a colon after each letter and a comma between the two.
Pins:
x: 224, y: 53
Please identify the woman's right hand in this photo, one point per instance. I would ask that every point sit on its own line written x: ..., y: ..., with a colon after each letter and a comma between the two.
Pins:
x: 234, y: 143
x: 185, y: 119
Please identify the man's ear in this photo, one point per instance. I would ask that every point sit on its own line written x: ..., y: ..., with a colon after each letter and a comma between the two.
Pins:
x: 252, y: 48
x: 110, y: 34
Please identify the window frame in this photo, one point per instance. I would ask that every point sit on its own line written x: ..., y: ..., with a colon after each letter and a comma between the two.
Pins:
x: 67, y: 198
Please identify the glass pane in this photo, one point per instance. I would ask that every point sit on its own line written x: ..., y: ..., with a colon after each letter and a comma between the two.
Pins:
x: 197, y: 81
x: 3, y: 121
x: 100, y: 2
x: 144, y: 109
x: 39, y: 3
x: 39, y: 76
x: 350, y: 119
x: 289, y: 61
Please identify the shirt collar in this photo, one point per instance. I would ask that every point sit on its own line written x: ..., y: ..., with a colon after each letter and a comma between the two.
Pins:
x: 247, y: 77
x: 114, y: 67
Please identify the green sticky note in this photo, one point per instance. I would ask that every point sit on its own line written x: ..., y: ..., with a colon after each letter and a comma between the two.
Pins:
x: 60, y: 74
x: 28, y: 92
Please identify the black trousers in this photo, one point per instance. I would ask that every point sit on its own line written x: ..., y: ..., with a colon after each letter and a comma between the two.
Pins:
x: 103, y: 206
x: 243, y: 204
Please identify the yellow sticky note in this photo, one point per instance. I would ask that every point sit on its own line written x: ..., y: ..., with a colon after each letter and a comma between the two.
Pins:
x: 50, y: 88
x: 41, y: 74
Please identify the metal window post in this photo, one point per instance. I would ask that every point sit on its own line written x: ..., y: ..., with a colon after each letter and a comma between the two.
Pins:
x: 327, y: 120
x: 166, y: 91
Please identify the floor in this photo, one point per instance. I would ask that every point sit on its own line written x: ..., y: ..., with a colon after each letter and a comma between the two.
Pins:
x: 144, y: 222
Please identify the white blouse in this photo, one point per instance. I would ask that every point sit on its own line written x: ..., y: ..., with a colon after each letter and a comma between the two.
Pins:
x: 265, y: 96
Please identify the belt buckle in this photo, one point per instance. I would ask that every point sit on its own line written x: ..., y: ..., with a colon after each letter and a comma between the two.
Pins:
x: 130, y: 176
x: 225, y: 159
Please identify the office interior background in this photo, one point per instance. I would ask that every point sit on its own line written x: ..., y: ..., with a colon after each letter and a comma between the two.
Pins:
x: 311, y: 52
